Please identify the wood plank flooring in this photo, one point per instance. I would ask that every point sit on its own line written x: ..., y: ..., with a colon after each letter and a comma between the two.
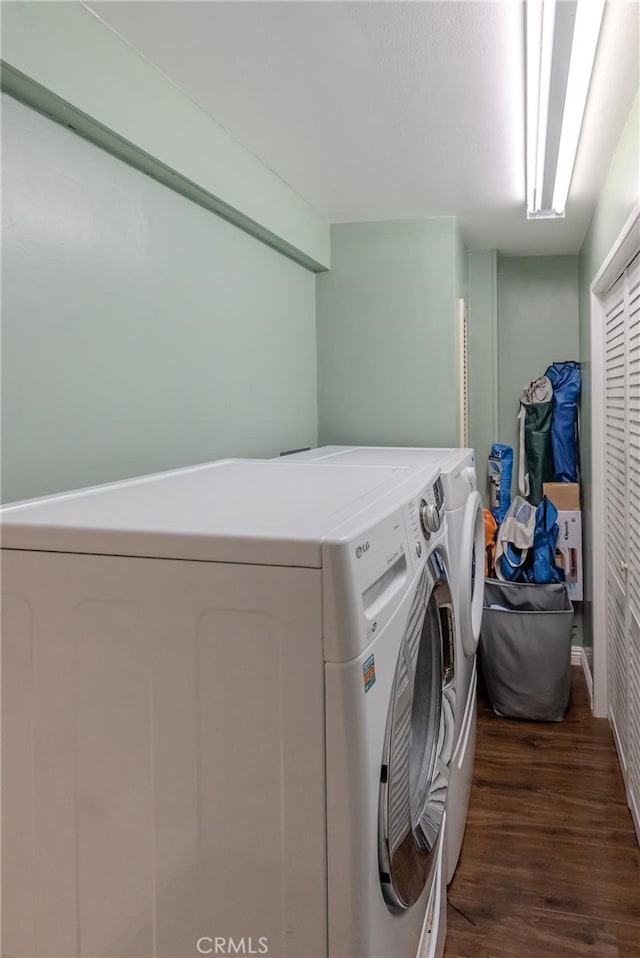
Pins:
x: 550, y: 865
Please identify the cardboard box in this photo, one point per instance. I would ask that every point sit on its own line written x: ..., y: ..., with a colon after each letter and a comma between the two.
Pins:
x: 564, y: 495
x: 569, y: 550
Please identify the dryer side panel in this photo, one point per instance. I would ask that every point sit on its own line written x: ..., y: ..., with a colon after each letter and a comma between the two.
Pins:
x: 167, y: 734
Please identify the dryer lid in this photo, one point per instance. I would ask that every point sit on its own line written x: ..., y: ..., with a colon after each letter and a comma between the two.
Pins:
x: 245, y: 511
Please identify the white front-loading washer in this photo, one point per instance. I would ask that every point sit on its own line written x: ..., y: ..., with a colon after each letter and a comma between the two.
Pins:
x: 463, y: 508
x: 229, y: 714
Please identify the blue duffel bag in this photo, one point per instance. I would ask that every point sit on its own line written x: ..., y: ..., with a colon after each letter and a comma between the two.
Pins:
x: 526, y: 544
x: 543, y: 569
x: 565, y: 379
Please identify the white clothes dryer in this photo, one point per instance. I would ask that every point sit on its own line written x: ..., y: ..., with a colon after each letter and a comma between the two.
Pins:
x: 229, y: 714
x: 463, y: 508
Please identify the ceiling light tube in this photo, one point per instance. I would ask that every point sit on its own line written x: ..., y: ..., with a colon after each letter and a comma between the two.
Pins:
x: 546, y: 54
x: 534, y: 42
x: 583, y: 50
x: 540, y: 29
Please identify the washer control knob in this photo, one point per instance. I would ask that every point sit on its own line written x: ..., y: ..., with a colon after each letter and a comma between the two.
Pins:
x: 429, y: 518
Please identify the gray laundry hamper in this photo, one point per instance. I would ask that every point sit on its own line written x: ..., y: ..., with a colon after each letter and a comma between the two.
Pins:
x: 525, y: 649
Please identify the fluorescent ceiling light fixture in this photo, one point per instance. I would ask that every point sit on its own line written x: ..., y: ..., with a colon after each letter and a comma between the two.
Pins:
x: 583, y: 51
x: 541, y: 17
x: 540, y: 27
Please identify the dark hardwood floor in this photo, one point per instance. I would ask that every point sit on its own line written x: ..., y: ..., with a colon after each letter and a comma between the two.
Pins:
x: 550, y: 866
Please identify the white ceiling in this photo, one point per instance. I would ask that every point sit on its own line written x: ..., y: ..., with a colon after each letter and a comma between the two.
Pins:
x: 389, y: 110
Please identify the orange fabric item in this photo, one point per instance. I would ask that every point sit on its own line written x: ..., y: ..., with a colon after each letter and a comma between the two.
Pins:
x: 490, y: 530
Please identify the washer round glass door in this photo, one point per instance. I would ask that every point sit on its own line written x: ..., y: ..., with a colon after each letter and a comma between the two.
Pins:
x: 418, y: 742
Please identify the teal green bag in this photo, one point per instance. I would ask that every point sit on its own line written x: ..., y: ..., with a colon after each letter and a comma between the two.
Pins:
x: 536, y: 449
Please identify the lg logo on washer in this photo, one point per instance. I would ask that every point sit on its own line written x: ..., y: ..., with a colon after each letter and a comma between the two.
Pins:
x: 362, y: 548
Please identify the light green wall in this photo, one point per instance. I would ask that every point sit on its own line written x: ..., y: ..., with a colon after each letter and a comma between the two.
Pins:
x: 139, y: 331
x: 461, y: 266
x: 537, y: 325
x: 483, y: 360
x: 620, y: 193
x: 617, y: 198
x: 387, y: 333
x: 61, y: 59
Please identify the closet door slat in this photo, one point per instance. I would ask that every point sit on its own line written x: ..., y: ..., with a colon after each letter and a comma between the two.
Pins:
x: 615, y: 343
x: 622, y: 475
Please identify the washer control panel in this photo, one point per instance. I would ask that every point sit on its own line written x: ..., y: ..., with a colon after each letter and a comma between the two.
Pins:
x: 425, y: 515
x: 429, y: 517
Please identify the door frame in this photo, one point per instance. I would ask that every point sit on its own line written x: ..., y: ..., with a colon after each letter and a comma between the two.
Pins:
x: 625, y: 247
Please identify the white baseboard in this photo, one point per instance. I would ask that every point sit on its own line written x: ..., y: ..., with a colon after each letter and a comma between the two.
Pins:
x: 578, y: 657
x: 622, y: 758
x: 635, y: 814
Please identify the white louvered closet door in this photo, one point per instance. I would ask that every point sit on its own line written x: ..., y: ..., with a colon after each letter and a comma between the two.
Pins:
x: 616, y: 498
x: 633, y: 575
x: 622, y: 451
